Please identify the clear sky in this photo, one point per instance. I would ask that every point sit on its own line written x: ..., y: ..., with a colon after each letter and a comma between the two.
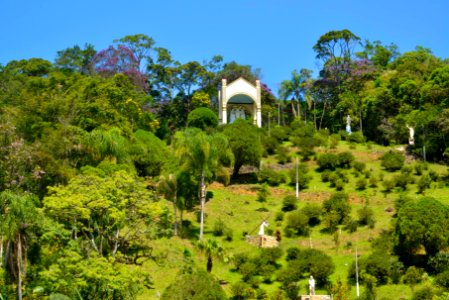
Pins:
x: 276, y: 36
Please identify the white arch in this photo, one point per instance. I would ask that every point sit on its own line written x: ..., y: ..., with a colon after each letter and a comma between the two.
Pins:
x: 240, y: 87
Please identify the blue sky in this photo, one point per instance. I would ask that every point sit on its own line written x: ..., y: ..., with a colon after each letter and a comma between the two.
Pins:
x: 276, y: 36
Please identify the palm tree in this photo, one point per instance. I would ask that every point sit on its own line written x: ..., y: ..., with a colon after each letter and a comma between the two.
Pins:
x: 18, y: 215
x: 295, y: 88
x: 204, y: 156
x: 211, y: 248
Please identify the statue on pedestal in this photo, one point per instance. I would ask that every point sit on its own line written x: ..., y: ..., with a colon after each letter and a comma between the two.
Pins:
x: 411, y: 138
x: 311, y: 285
x: 348, y: 124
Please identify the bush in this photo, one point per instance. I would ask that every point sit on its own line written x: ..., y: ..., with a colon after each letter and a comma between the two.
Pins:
x: 270, y: 176
x: 424, y: 183
x: 401, y: 181
x: 358, y: 166
x: 326, y: 175
x: 313, y: 212
x: 263, y: 192
x: 292, y: 253
x: 334, y: 140
x: 289, y: 203
x: 356, y: 137
x: 440, y: 262
x: 219, y: 227
x: 280, y: 133
x: 297, y: 224
x: 279, y: 216
x: 366, y: 216
x: 392, y: 161
x: 338, y: 203
x: 361, y: 184
x: 413, y: 276
x: 373, y: 181
x: 242, y: 290
x: 442, y: 280
x: 345, y: 159
x: 328, y: 161
x: 282, y: 155
x: 202, y: 118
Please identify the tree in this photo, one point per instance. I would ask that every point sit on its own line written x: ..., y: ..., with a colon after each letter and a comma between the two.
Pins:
x: 197, y: 284
x: 336, y: 49
x: 111, y: 211
x: 204, y: 156
x: 202, y: 118
x: 18, y: 218
x: 140, y: 45
x: 168, y: 186
x: 295, y: 88
x: 76, y: 59
x: 245, y: 142
x: 120, y: 59
x: 420, y: 223
x: 211, y: 248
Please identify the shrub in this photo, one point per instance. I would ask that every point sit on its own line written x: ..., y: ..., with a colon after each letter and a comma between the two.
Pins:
x: 356, y: 137
x: 270, y: 176
x: 289, y: 203
x: 359, y: 166
x: 292, y: 253
x: 440, y: 262
x: 219, y: 227
x: 279, y: 216
x: 270, y: 144
x: 334, y: 140
x: 345, y: 159
x: 401, y: 181
x: 313, y: 212
x: 297, y: 224
x: 442, y: 280
x: 392, y: 161
x: 326, y: 175
x: 263, y: 193
x: 338, y: 203
x: 413, y: 276
x: 280, y: 133
x: 424, y: 183
x: 366, y: 216
x: 388, y: 185
x: 282, y: 155
x: 361, y: 184
x: 373, y: 181
x: 328, y: 161
x: 202, y: 118
x: 242, y: 290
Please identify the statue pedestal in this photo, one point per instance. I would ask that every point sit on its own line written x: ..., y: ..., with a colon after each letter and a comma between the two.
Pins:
x: 262, y: 241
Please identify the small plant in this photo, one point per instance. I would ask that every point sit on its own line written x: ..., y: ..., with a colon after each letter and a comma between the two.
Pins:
x: 289, y: 203
x: 263, y: 193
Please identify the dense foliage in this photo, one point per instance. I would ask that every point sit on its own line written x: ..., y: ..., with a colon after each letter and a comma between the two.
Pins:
x: 97, y: 163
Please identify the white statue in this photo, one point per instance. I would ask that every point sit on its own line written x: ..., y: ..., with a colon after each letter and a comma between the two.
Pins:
x: 411, y: 138
x: 348, y: 124
x: 262, y: 228
x: 311, y: 285
x: 235, y: 114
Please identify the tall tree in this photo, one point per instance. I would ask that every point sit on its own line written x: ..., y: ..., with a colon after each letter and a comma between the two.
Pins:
x: 245, y: 142
x: 203, y: 155
x: 18, y: 218
x: 295, y: 88
x: 76, y: 59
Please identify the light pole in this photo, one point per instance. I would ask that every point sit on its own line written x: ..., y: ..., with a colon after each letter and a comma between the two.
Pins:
x: 357, y: 274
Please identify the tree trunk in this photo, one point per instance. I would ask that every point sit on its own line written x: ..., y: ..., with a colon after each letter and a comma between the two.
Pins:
x: 175, y: 221
x: 293, y: 108
x: 203, y: 202
x: 322, y: 115
x: 209, y: 264
x: 361, y: 127
x: 1, y: 251
x: 19, y: 267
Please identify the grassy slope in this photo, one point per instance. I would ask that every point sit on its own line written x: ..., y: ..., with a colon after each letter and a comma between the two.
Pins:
x: 236, y: 205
